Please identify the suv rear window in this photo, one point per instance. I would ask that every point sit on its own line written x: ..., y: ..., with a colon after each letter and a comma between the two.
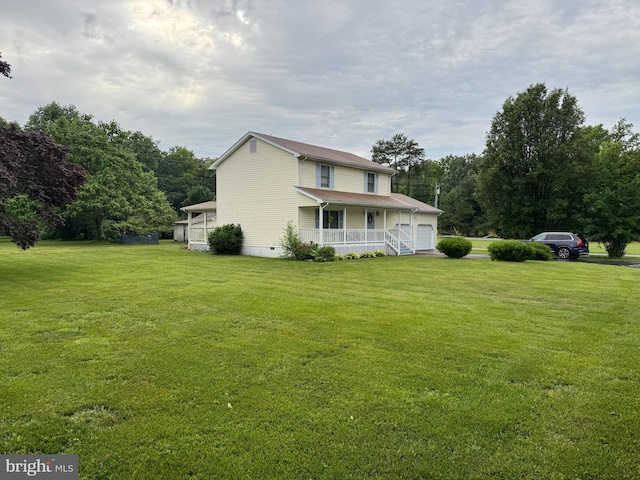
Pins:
x: 559, y: 236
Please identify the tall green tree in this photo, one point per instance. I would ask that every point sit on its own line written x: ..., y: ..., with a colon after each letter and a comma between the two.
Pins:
x: 36, y: 183
x: 531, y: 162
x: 612, y: 207
x: 119, y: 195
x: 180, y: 174
x: 421, y: 180
x: 184, y: 177
x: 462, y: 215
x: 145, y: 148
x: 399, y: 153
x: 205, y: 187
x: 46, y: 115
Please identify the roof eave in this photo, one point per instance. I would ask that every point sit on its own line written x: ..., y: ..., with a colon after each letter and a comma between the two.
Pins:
x: 199, y: 208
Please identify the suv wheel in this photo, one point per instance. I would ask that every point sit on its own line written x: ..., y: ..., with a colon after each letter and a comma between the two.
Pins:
x: 564, y: 253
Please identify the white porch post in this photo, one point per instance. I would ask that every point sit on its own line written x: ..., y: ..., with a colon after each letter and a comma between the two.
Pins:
x: 366, y: 232
x: 189, y: 230
x: 411, y: 222
x: 344, y: 225
x: 205, y: 227
x: 321, y: 224
x: 385, y: 219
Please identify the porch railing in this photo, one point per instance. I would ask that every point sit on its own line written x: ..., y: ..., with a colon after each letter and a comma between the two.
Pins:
x: 199, y: 234
x: 404, y: 237
x: 397, y: 239
x: 333, y: 236
x: 392, y: 241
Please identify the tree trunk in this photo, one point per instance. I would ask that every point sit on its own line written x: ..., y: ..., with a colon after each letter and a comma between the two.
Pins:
x: 615, y: 248
x: 97, y: 221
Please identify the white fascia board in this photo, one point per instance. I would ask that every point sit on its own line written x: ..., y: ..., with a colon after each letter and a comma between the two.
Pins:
x: 307, y: 194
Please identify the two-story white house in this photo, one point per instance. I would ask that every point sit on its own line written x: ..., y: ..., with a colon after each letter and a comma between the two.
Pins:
x: 333, y: 197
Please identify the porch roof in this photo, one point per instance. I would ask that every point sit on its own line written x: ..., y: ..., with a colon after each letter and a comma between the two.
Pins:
x: 211, y: 217
x: 201, y: 207
x: 395, y: 201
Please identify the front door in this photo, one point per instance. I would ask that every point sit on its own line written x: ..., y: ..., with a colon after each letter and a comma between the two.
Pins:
x: 371, y: 225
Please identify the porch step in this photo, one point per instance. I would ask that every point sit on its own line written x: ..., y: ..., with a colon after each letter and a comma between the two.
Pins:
x: 404, y: 250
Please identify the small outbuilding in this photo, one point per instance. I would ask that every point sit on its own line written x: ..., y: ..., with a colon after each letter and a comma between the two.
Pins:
x: 181, y: 231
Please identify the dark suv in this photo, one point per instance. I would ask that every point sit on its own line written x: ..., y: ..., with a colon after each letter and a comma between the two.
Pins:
x: 564, y: 244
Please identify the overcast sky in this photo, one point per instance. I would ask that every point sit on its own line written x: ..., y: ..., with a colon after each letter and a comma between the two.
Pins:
x: 336, y: 73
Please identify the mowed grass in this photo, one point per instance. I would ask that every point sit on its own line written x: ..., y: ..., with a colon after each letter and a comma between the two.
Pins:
x: 153, y: 362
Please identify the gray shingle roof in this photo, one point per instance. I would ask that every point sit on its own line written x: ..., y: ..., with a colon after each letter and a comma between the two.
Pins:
x: 394, y: 201
x: 313, y: 152
x: 327, y: 154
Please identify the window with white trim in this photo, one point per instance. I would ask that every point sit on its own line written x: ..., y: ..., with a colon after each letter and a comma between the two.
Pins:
x: 370, y: 182
x: 324, y: 176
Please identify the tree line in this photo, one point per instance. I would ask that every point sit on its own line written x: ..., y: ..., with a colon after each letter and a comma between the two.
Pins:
x: 542, y: 169
x: 65, y: 176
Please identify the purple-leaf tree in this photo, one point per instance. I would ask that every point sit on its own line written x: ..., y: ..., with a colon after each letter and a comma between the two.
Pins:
x: 36, y: 182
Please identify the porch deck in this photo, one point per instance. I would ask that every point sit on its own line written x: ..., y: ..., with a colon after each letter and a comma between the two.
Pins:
x: 358, y: 240
x: 200, y: 234
x: 347, y: 240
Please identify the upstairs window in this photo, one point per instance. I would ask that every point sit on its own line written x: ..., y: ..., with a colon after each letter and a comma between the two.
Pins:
x: 253, y: 146
x: 324, y: 176
x: 370, y: 182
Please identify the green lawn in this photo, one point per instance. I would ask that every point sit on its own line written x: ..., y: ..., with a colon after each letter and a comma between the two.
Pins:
x: 156, y: 362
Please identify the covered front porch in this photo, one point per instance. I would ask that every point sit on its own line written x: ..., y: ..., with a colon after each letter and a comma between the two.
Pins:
x: 358, y: 229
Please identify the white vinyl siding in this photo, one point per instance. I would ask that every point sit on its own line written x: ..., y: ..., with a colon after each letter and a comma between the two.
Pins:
x: 307, y: 176
x: 384, y: 184
x: 256, y: 191
x: 346, y: 179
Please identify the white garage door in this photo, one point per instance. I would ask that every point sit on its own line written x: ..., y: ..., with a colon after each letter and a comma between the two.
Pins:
x: 424, y: 237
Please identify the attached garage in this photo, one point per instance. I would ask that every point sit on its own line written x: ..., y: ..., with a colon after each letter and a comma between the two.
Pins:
x: 424, y: 237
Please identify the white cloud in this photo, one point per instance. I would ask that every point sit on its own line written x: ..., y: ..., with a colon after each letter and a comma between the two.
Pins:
x: 341, y: 74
